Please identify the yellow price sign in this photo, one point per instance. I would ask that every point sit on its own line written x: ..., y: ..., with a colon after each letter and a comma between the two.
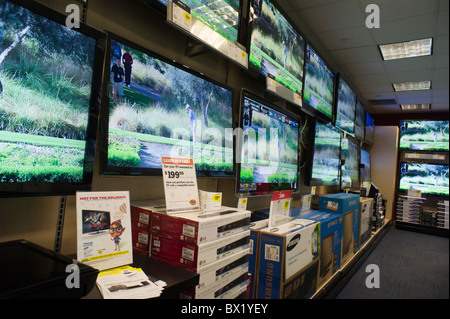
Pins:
x: 187, y: 17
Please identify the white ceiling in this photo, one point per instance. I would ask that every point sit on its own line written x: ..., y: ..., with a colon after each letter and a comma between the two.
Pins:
x: 337, y: 30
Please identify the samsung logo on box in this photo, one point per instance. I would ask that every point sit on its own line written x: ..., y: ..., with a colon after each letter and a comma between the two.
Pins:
x: 293, y: 242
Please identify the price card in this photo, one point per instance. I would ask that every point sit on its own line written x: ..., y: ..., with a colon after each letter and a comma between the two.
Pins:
x: 181, y: 15
x: 180, y: 184
x: 280, y: 208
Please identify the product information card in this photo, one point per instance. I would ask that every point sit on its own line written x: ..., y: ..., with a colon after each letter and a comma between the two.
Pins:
x: 104, y: 229
x: 280, y: 208
x: 180, y: 185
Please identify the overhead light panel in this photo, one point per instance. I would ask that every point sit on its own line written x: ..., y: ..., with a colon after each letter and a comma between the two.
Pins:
x: 406, y: 49
x: 412, y: 86
x: 408, y: 107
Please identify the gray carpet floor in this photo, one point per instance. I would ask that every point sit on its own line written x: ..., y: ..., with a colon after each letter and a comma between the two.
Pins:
x: 411, y: 266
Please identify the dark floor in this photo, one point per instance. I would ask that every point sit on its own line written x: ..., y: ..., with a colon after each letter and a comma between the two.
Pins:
x: 411, y: 266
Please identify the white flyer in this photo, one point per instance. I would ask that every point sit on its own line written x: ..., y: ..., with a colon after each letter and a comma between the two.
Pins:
x: 104, y: 229
x: 280, y: 208
x: 180, y: 185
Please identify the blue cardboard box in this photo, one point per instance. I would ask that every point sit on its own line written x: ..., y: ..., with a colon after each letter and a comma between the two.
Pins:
x: 347, y: 205
x: 253, y: 261
x: 331, y: 226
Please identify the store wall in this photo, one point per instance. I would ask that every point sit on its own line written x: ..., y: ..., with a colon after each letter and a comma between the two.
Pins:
x: 383, y: 169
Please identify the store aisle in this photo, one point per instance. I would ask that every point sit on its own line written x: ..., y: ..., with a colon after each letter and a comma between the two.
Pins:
x: 411, y: 266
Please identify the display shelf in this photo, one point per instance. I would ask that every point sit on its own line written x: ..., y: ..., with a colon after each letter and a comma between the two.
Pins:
x: 331, y: 288
x: 176, y: 278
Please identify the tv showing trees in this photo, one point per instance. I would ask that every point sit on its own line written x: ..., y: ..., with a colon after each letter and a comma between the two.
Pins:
x: 319, y: 83
x: 276, y: 48
x: 345, y: 107
x: 350, y: 166
x: 47, y: 117
x: 424, y: 135
x: 157, y: 108
x: 360, y: 124
x: 431, y: 179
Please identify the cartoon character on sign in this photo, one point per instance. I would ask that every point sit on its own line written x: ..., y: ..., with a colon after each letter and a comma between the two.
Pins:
x: 116, y: 230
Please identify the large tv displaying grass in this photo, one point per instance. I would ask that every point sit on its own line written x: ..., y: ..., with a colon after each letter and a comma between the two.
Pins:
x: 430, y: 179
x: 360, y: 124
x: 350, y: 164
x: 424, y: 135
x: 324, y: 167
x: 319, y: 83
x: 276, y: 48
x: 161, y: 108
x: 50, y: 87
x: 345, y: 107
x: 268, y: 144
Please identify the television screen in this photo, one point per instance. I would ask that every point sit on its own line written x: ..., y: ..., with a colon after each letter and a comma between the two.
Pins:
x: 159, y: 108
x: 325, y: 167
x: 424, y: 135
x: 319, y: 84
x: 359, y: 121
x: 350, y: 166
x: 269, y: 147
x: 345, y: 107
x: 276, y: 48
x: 221, y: 16
x: 50, y: 81
x: 369, y: 128
x: 430, y: 179
x: 365, y: 170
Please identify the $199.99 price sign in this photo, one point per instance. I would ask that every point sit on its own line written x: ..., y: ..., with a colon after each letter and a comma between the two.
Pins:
x: 180, y: 184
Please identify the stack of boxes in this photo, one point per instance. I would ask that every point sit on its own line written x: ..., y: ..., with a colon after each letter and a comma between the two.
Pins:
x: 409, y: 209
x: 442, y: 214
x: 365, y: 219
x: 378, y: 212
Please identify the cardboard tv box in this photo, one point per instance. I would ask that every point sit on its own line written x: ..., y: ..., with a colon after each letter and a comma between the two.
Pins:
x: 253, y: 263
x: 142, y: 210
x: 365, y: 219
x: 347, y: 205
x: 284, y: 251
x: 197, y: 256
x: 331, y: 242
x: 201, y: 228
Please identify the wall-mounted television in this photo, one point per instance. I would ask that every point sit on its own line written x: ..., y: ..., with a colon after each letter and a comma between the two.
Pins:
x: 360, y: 121
x: 325, y: 163
x: 319, y: 84
x: 430, y: 179
x: 345, y: 107
x: 50, y: 82
x: 267, y: 150
x: 365, y: 166
x: 368, y: 137
x: 160, y: 108
x: 424, y: 135
x: 350, y: 164
x: 276, y: 48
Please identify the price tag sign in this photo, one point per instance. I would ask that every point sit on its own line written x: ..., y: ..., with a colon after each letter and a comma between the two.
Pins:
x: 180, y: 184
x: 181, y: 15
x: 280, y: 208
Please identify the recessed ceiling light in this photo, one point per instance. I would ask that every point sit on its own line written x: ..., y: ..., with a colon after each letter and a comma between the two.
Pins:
x: 406, y: 49
x: 412, y: 86
x: 406, y: 107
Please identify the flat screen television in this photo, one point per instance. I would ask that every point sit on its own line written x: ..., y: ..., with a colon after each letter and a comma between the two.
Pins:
x: 369, y: 129
x: 325, y: 164
x: 360, y: 121
x: 365, y: 166
x: 160, y: 108
x: 222, y: 16
x: 50, y: 90
x: 350, y: 164
x: 276, y: 48
x: 430, y: 179
x: 345, y: 107
x: 319, y: 84
x: 424, y: 135
x: 268, y: 148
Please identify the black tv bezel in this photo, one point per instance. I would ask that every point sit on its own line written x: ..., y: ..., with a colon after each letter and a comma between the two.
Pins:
x: 18, y: 189
x: 339, y: 79
x: 406, y: 149
x: 306, y: 107
x: 251, y: 70
x: 358, y: 160
x: 247, y: 93
x: 109, y: 170
x: 312, y: 136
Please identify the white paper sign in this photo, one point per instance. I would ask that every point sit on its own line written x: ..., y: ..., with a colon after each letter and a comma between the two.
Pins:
x: 181, y: 16
x: 280, y: 208
x: 180, y: 184
x: 104, y: 238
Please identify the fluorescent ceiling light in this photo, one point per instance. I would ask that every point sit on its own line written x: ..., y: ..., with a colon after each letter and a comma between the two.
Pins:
x: 406, y: 107
x: 406, y: 49
x: 412, y: 86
